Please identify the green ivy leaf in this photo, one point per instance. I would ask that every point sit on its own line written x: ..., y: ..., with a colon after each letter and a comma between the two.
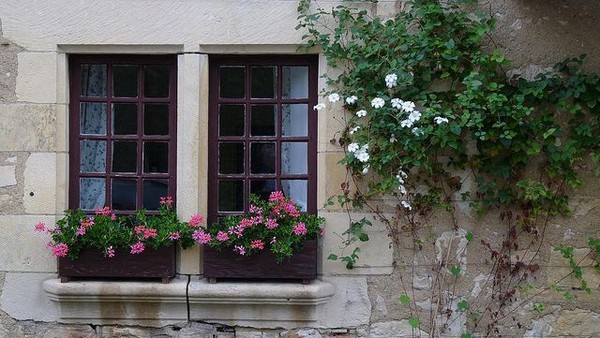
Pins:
x: 414, y: 322
x: 404, y: 299
x: 455, y: 271
x: 332, y: 257
x: 463, y: 305
x: 469, y: 236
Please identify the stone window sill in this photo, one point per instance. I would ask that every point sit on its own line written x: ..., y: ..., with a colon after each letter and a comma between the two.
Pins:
x: 259, y: 305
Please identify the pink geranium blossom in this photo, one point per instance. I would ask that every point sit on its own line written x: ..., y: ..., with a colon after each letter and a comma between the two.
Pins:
x: 137, y: 248
x: 40, y: 227
x: 150, y: 233
x: 239, y: 249
x: 110, y: 252
x: 300, y: 229
x: 168, y: 201
x: 271, y: 223
x: 80, y: 231
x: 276, y: 196
x: 195, y: 220
x: 257, y: 244
x: 174, y: 236
x: 201, y: 237
x: 60, y: 249
x: 222, y: 236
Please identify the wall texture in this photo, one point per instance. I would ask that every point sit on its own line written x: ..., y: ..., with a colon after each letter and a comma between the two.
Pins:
x: 35, y: 40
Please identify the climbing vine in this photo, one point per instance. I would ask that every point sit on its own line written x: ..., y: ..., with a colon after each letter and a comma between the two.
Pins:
x: 432, y: 120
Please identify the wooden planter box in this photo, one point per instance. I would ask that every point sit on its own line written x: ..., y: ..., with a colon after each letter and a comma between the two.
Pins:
x: 92, y: 264
x: 261, y: 266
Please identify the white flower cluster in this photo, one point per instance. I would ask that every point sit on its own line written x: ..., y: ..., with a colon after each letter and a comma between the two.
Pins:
x: 360, y: 152
x: 401, y: 176
x: 319, y: 106
x: 377, y: 102
x: 361, y: 113
x: 440, y: 120
x: 351, y: 99
x: 391, y: 80
x: 334, y: 97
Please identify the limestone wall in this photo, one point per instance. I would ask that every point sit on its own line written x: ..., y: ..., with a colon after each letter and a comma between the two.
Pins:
x: 36, y: 38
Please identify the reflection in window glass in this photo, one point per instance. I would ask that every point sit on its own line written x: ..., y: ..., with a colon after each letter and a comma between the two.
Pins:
x: 295, y: 82
x: 156, y: 81
x: 124, y: 194
x: 263, y: 120
x: 93, y: 80
x: 92, y: 193
x: 124, y: 156
x: 262, y: 157
x: 124, y: 117
x: 92, y: 156
x: 232, y: 82
x: 294, y: 158
x: 262, y: 188
x: 295, y: 119
x: 153, y: 191
x: 231, y: 158
x: 93, y: 118
x: 125, y: 81
x: 156, y: 119
x: 156, y: 157
x: 231, y: 120
x: 264, y: 82
x: 231, y: 196
x: 296, y: 189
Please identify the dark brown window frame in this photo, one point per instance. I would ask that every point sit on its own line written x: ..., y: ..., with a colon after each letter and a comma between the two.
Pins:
x: 213, y: 135
x: 75, y: 136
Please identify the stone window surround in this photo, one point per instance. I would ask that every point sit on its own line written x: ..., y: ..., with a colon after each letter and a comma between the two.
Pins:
x: 188, y: 296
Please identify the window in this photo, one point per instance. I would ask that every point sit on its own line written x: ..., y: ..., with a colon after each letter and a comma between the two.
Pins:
x: 262, y: 130
x: 122, y: 131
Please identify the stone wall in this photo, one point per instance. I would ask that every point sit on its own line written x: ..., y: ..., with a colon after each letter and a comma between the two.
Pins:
x: 35, y: 40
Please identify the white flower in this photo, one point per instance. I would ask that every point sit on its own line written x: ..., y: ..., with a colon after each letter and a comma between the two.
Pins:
x: 319, y: 106
x: 402, y: 174
x: 366, y: 169
x: 352, y: 147
x: 400, y: 179
x: 406, y: 205
x: 361, y: 113
x: 407, y: 106
x: 351, y: 99
x: 393, y: 138
x: 362, y: 155
x: 402, y: 189
x: 440, y: 120
x: 377, y: 102
x: 417, y: 131
x: 396, y: 103
x: 414, y: 116
x: 334, y: 97
x: 390, y: 80
x: 354, y: 130
x: 406, y: 123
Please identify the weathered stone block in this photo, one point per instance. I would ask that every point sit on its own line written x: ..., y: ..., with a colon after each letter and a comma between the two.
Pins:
x: 36, y: 79
x: 558, y: 268
x: 350, y: 307
x: 395, y: 329
x: 39, y: 195
x: 23, y: 297
x: 7, y: 176
x: 17, y: 230
x: 27, y: 127
x: 578, y: 322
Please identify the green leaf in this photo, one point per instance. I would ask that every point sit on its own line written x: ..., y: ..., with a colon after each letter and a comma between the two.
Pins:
x: 414, y: 322
x: 549, y: 133
x: 463, y: 305
x: 455, y: 271
x: 466, y: 335
x: 469, y: 236
x: 404, y: 299
x: 363, y: 237
x: 332, y: 257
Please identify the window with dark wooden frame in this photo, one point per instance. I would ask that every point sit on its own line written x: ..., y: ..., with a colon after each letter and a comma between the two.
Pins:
x: 123, y: 121
x: 262, y: 130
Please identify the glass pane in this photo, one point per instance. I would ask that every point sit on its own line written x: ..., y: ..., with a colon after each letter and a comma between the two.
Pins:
x: 264, y: 82
x: 262, y: 157
x: 156, y: 81
x: 92, y: 156
x: 294, y: 158
x: 156, y: 119
x: 263, y: 120
x: 124, y: 194
x: 231, y: 196
x: 93, y: 80
x: 153, y: 191
x: 263, y: 188
x: 124, y: 156
x: 231, y: 158
x: 93, y: 118
x: 92, y: 193
x: 231, y: 120
x: 297, y: 190
x: 295, y: 82
x: 156, y: 157
x: 295, y: 119
x: 124, y: 118
x: 125, y: 81
x: 232, y: 82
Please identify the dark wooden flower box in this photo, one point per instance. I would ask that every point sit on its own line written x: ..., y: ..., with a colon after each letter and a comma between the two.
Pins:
x: 227, y: 264
x: 93, y: 264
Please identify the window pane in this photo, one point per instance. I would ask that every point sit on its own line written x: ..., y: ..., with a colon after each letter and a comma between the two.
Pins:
x: 156, y: 81
x: 296, y: 189
x: 124, y: 156
x: 124, y: 194
x: 156, y: 119
x: 124, y: 118
x: 153, y: 191
x: 92, y: 193
x: 295, y: 119
x: 92, y: 156
x: 294, y: 158
x: 231, y: 158
x: 156, y: 157
x: 264, y: 82
x: 231, y: 196
x: 295, y: 82
x: 263, y: 120
x: 232, y: 82
x: 262, y: 157
x: 93, y: 118
x: 231, y: 120
x: 262, y: 188
x: 125, y: 81
x: 93, y: 80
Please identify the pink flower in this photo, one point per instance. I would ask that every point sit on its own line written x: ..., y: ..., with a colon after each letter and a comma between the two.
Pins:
x: 60, y: 249
x: 80, y: 231
x: 113, y: 217
x: 290, y: 209
x: 255, y: 210
x: 322, y: 232
x: 222, y: 236
x: 257, y: 244
x: 139, y: 229
x: 110, y: 252
x: 174, y: 236
x: 201, y: 237
x: 195, y: 220
x: 276, y: 196
x: 149, y: 233
x: 300, y: 229
x: 168, y: 201
x: 271, y: 223
x: 40, y: 227
x: 88, y: 222
x: 137, y: 248
x: 246, y: 223
x: 239, y: 249
x: 103, y: 211
x: 274, y: 240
